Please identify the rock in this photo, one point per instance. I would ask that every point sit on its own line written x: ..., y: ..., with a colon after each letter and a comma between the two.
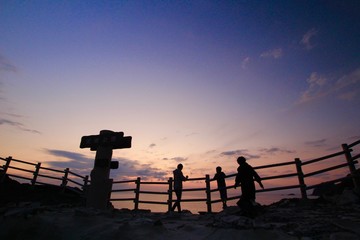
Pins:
x: 349, y: 225
x: 142, y: 221
x: 348, y: 196
x: 324, y: 188
x: 343, y: 236
x: 233, y: 221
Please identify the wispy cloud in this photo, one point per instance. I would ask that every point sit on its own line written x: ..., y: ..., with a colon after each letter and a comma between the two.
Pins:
x: 245, y: 62
x: 354, y: 138
x: 17, y: 125
x: 350, y: 83
x: 68, y: 155
x: 317, y: 86
x: 176, y: 159
x: 1, y: 92
x: 152, y: 145
x: 132, y: 168
x: 146, y: 171
x: 316, y: 143
x: 238, y: 153
x: 83, y: 164
x: 275, y: 150
x: 273, y: 53
x: 306, y: 40
x: 191, y: 134
x: 6, y: 65
x: 347, y: 87
x: 76, y: 162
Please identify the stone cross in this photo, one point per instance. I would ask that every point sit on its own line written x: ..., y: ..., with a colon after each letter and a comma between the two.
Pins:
x: 98, y: 193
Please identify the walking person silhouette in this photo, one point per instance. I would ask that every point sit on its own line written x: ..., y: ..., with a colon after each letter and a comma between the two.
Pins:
x: 245, y: 177
x: 220, y: 178
x: 178, y: 179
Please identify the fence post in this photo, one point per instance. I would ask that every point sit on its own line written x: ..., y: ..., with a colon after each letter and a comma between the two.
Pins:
x: 170, y: 194
x: 301, y: 178
x: 5, y: 167
x: 137, y: 193
x: 351, y: 165
x: 208, y: 193
x: 65, y: 178
x: 86, y: 181
x: 36, y: 173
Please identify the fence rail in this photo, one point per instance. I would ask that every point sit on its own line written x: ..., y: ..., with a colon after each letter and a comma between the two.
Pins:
x: 66, y: 176
x: 47, y: 174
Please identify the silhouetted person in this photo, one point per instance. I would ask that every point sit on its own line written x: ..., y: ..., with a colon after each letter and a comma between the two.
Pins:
x: 220, y: 178
x: 246, y: 176
x: 178, y: 179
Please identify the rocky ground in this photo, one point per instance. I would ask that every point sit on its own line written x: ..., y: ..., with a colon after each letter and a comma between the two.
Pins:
x: 58, y: 216
x: 287, y: 219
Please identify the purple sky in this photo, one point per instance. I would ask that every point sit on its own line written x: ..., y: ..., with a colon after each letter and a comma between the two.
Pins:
x: 197, y: 82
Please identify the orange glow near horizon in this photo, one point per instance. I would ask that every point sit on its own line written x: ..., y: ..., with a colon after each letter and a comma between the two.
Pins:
x: 263, y: 197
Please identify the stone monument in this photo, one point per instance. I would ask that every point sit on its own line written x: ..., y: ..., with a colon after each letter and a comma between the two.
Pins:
x: 99, y: 191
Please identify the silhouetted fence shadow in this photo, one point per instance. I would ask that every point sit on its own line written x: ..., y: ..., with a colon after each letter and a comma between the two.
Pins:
x: 297, y: 166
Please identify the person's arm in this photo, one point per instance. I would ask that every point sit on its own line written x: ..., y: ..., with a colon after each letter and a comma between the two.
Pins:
x: 184, y: 178
x: 237, y: 180
x: 215, y: 176
x: 258, y: 179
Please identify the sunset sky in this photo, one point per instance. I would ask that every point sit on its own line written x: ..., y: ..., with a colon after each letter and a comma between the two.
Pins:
x: 196, y: 82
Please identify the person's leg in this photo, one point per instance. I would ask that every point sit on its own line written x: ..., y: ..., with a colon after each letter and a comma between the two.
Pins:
x: 223, y: 196
x: 174, y: 206
x: 178, y: 200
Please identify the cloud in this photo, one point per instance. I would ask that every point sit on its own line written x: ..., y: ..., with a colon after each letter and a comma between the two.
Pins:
x: 306, y: 40
x: 238, y: 153
x: 76, y: 162
x: 354, y: 138
x: 83, y: 165
x: 273, y: 53
x: 275, y: 150
x: 68, y: 155
x: 316, y: 143
x: 350, y: 79
x: 6, y: 65
x: 152, y: 145
x: 316, y: 88
x: 348, y: 96
x: 245, y: 63
x: 176, y: 159
x: 191, y: 134
x: 133, y: 168
x: 347, y: 87
x: 150, y: 173
x: 17, y: 125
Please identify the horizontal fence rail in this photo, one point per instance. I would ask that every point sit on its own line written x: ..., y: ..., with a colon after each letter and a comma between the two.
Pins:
x: 48, y: 176
x: 64, y: 176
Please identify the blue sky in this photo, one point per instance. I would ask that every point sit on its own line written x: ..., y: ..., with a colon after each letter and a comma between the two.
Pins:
x: 197, y: 82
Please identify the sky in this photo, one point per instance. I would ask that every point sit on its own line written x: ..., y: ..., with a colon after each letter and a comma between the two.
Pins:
x: 193, y: 82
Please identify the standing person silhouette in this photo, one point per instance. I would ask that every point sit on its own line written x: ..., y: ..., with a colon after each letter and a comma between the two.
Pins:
x: 220, y: 178
x: 178, y: 179
x: 246, y: 176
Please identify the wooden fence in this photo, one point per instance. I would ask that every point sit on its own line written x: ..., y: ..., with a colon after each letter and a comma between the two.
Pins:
x: 298, y: 172
x: 37, y: 173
